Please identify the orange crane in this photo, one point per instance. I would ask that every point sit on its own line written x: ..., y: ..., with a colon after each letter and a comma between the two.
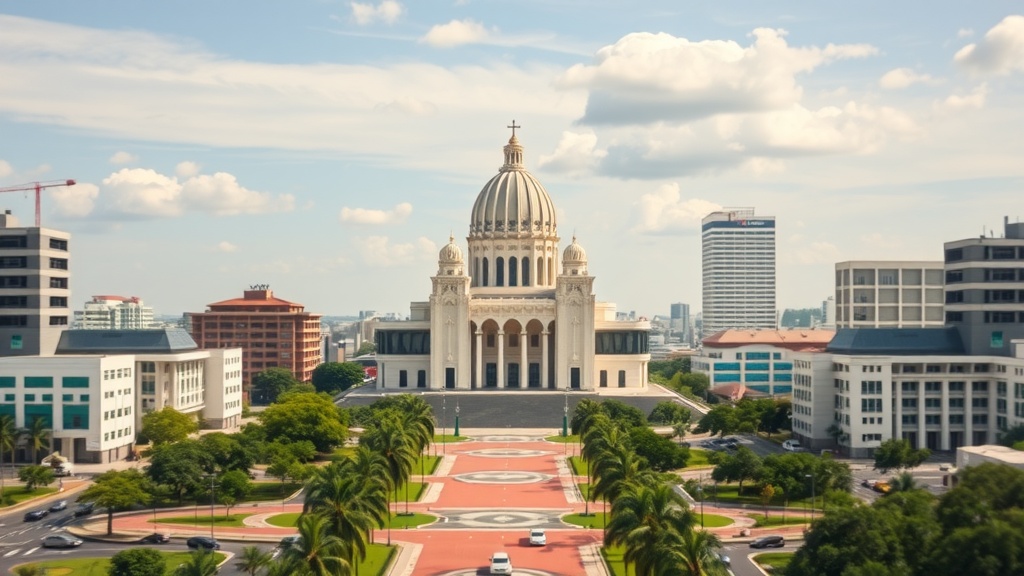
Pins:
x: 38, y: 187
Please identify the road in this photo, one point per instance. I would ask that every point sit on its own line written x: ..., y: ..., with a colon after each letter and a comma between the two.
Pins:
x: 740, y: 555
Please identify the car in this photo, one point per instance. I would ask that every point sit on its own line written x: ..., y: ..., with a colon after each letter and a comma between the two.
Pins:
x: 286, y: 543
x: 774, y: 541
x: 84, y: 509
x: 724, y: 559
x: 202, y: 542
x: 156, y: 538
x: 538, y: 537
x: 868, y: 483
x: 792, y: 446
x: 881, y: 487
x: 36, y: 515
x: 61, y: 541
x: 59, y: 506
x: 501, y: 563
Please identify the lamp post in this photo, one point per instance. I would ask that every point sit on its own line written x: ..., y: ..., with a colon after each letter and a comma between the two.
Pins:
x: 457, y: 418
x: 811, y: 476
x: 565, y: 415
x: 213, y: 498
x: 444, y: 423
x: 700, y: 492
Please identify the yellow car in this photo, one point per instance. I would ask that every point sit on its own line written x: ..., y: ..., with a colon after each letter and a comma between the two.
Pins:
x: 882, y: 487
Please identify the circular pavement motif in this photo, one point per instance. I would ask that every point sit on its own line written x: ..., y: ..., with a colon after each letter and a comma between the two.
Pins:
x: 503, y: 477
x: 476, y: 571
x: 508, y: 439
x: 506, y: 453
x: 504, y: 519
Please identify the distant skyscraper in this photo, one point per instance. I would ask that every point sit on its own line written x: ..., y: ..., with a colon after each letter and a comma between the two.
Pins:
x: 738, y: 270
x: 679, y: 321
x: 828, y: 313
x: 114, y: 313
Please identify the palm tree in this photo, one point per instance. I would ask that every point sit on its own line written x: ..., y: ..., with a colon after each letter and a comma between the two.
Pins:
x: 8, y: 440
x: 318, y: 552
x: 199, y: 563
x: 646, y: 520
x: 418, y: 423
x: 38, y: 436
x: 694, y: 553
x: 390, y: 440
x: 904, y: 482
x: 351, y: 506
x: 252, y: 560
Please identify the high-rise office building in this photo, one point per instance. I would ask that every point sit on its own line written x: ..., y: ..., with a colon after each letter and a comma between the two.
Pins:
x: 679, y: 322
x: 738, y: 270
x: 888, y: 294
x: 114, y: 313
x: 34, y: 292
x: 985, y: 290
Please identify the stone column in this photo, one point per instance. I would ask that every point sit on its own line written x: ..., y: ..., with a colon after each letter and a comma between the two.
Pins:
x: 524, y: 373
x: 501, y: 358
x: 544, y: 359
x: 479, y: 359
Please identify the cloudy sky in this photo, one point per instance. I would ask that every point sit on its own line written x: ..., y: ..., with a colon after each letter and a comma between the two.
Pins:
x: 329, y: 148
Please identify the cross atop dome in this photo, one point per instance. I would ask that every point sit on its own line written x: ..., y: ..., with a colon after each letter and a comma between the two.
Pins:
x: 513, y: 127
x: 513, y: 151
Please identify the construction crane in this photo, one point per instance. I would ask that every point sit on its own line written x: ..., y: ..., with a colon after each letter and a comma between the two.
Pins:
x: 38, y: 187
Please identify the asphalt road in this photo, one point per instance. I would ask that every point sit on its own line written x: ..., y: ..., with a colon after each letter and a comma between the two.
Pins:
x: 740, y: 555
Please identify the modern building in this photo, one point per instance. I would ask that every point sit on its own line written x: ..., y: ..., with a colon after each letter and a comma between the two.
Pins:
x: 93, y: 393
x: 272, y: 333
x: 741, y: 362
x: 888, y: 294
x: 738, y: 271
x: 114, y: 313
x: 34, y: 291
x: 680, y: 322
x: 828, y: 313
x: 516, y: 311
x: 995, y: 454
x: 985, y: 290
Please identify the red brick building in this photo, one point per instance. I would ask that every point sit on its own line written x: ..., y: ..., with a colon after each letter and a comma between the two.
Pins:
x: 270, y: 331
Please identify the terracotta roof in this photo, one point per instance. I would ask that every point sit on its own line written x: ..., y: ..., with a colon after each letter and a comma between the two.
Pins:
x: 272, y: 301
x: 798, y: 339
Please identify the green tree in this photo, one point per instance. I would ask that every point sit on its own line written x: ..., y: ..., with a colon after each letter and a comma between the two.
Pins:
x: 643, y: 518
x: 1012, y: 436
x: 8, y: 440
x: 739, y: 466
x: 721, y: 419
x: 334, y: 377
x: 227, y: 452
x: 695, y: 553
x: 312, y: 417
x: 661, y: 453
x: 180, y: 466
x: 903, y: 482
x: 365, y: 348
x: 199, y: 563
x: 839, y: 542
x: 393, y: 443
x: 167, y: 425
x: 668, y: 413
x: 318, y: 552
x: 136, y: 562
x: 34, y: 476
x: 252, y: 559
x: 897, y: 454
x: 117, y: 491
x: 626, y: 415
x: 271, y: 383
x: 583, y: 415
x: 351, y: 505
x: 767, y: 494
x: 697, y: 382
x: 38, y: 435
x: 233, y: 486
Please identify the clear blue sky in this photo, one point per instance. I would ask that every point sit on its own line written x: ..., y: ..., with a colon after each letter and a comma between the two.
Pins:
x: 329, y: 148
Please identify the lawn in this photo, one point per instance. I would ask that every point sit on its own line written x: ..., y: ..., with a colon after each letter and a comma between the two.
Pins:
x: 99, y: 566
x: 595, y: 520
x: 288, y: 520
x: 713, y: 520
x: 232, y: 521
x: 579, y: 465
x: 776, y: 561
x: 729, y: 493
x: 698, y: 459
x: 17, y: 495
x: 415, y: 491
x: 800, y: 517
x: 449, y: 438
x: 261, y: 491
x: 613, y: 558
x: 563, y: 439
x: 377, y: 558
x: 426, y: 464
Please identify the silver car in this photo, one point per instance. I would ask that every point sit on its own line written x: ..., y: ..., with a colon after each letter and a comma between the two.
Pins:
x: 61, y: 541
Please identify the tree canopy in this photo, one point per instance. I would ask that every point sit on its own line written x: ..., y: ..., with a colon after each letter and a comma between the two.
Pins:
x: 117, y: 491
x: 181, y: 467
x: 137, y: 562
x: 897, y: 454
x: 271, y: 383
x: 661, y: 453
x: 334, y: 377
x: 167, y: 425
x: 306, y: 416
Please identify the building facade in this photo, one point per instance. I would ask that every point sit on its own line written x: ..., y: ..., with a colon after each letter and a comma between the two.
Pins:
x: 516, y: 312
x: 272, y: 333
x: 889, y: 294
x: 757, y: 360
x: 680, y: 322
x: 114, y: 313
x: 34, y: 287
x: 738, y: 271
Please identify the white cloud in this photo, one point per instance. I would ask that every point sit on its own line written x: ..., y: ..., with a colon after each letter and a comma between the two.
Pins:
x: 378, y: 251
x: 123, y: 158
x: 74, y: 201
x: 975, y: 99
x: 5, y: 169
x: 147, y: 193
x: 965, y: 33
x: 397, y: 215
x: 900, y: 78
x: 387, y: 11
x: 186, y: 169
x: 576, y: 153
x: 665, y: 211
x: 225, y: 246
x: 1000, y: 52
x: 455, y: 33
x: 647, y: 77
x: 807, y: 252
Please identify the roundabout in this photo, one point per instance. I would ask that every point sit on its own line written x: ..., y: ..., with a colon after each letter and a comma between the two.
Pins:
x: 506, y: 453
x: 503, y: 477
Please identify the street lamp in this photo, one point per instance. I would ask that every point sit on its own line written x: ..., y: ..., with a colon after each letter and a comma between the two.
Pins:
x: 213, y: 498
x: 444, y: 423
x: 811, y: 476
x: 700, y: 492
x: 457, y: 418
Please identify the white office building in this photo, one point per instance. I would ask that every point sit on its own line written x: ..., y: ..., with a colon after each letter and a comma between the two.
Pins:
x: 114, y: 313
x: 889, y: 294
x: 738, y: 270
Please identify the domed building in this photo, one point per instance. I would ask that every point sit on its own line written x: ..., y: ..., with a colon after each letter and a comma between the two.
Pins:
x: 514, y: 311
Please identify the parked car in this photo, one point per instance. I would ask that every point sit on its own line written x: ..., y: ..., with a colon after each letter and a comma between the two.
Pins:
x: 202, y: 542
x: 538, y: 537
x: 882, y: 487
x: 59, y: 506
x: 792, y: 446
x: 61, y: 541
x: 84, y: 509
x: 36, y: 515
x: 774, y: 541
x: 285, y: 543
x: 724, y: 559
x: 156, y: 538
x: 501, y: 563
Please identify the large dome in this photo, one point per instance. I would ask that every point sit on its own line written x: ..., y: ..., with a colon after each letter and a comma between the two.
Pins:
x: 513, y: 203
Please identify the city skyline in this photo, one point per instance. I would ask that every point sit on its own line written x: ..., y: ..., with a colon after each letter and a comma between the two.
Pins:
x: 334, y: 162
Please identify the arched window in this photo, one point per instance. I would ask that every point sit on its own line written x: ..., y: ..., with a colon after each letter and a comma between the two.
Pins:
x: 540, y: 271
x: 486, y: 270
x: 526, y: 271
x: 499, y: 271
x: 476, y: 271
x: 513, y: 271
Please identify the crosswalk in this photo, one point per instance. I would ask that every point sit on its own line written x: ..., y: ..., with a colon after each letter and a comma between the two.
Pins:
x: 17, y: 550
x: 27, y: 547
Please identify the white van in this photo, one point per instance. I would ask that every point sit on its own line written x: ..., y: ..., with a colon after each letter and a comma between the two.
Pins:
x: 792, y: 446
